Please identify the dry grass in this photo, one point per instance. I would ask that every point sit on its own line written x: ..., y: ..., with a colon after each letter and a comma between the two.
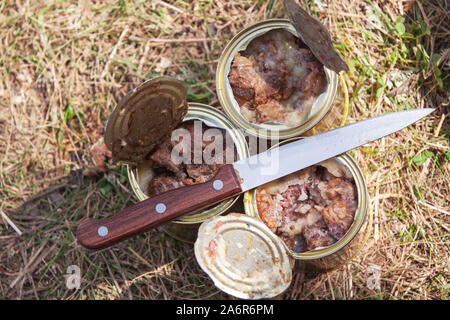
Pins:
x: 66, y: 64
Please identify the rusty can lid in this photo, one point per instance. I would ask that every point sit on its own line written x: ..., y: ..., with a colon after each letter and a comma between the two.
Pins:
x: 243, y: 257
x: 315, y: 35
x: 144, y: 117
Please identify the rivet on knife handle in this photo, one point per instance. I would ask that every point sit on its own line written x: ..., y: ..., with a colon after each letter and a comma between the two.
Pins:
x: 150, y: 213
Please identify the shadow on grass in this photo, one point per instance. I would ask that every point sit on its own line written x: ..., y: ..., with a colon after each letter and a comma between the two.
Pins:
x: 148, y: 266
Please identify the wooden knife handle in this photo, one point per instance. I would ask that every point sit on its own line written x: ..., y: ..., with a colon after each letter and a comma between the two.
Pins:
x: 152, y: 212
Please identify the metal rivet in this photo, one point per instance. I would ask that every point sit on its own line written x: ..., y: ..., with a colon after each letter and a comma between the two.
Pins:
x: 160, y: 208
x: 217, y: 184
x: 102, y: 231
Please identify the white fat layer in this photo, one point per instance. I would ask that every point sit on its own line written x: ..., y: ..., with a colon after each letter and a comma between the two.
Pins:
x: 248, y: 114
x: 280, y: 185
x: 336, y: 169
x: 293, y: 227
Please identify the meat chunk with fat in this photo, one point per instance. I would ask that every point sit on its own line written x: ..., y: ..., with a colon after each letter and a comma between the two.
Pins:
x: 271, y: 210
x: 162, y: 156
x: 308, y: 209
x: 192, y: 168
x: 338, y: 217
x: 316, y: 236
x: 243, y: 75
x: 276, y: 78
x: 162, y: 183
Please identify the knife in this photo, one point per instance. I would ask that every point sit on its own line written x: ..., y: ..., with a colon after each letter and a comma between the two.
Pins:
x: 240, y: 176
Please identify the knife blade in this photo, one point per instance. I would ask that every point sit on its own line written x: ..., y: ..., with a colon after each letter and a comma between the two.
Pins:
x: 233, y: 179
x: 273, y: 164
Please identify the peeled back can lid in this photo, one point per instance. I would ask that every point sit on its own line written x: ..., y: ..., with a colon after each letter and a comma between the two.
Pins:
x: 243, y: 257
x: 315, y: 35
x: 144, y: 117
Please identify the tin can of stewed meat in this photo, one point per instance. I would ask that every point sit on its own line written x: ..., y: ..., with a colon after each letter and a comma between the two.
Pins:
x: 260, y: 124
x: 343, y: 250
x: 186, y: 227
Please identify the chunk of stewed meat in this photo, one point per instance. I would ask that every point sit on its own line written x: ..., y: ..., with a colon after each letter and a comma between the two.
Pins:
x: 190, y: 168
x: 244, y: 76
x: 316, y: 237
x: 310, y: 208
x: 338, y: 217
x: 163, y: 182
x: 162, y: 157
x: 272, y: 210
x: 276, y: 78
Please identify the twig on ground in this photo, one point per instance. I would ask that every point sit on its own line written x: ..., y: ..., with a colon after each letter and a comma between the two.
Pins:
x: 8, y: 220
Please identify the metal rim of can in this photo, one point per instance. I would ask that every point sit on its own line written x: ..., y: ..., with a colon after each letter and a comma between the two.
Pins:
x: 239, y: 42
x: 214, y: 118
x: 251, y: 209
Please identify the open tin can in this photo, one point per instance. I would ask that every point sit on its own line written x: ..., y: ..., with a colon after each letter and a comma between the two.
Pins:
x: 239, y: 43
x: 343, y: 250
x: 139, y: 175
x: 246, y: 259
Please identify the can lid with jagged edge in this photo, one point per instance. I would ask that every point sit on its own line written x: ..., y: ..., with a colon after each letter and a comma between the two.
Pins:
x: 144, y: 117
x: 243, y: 257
